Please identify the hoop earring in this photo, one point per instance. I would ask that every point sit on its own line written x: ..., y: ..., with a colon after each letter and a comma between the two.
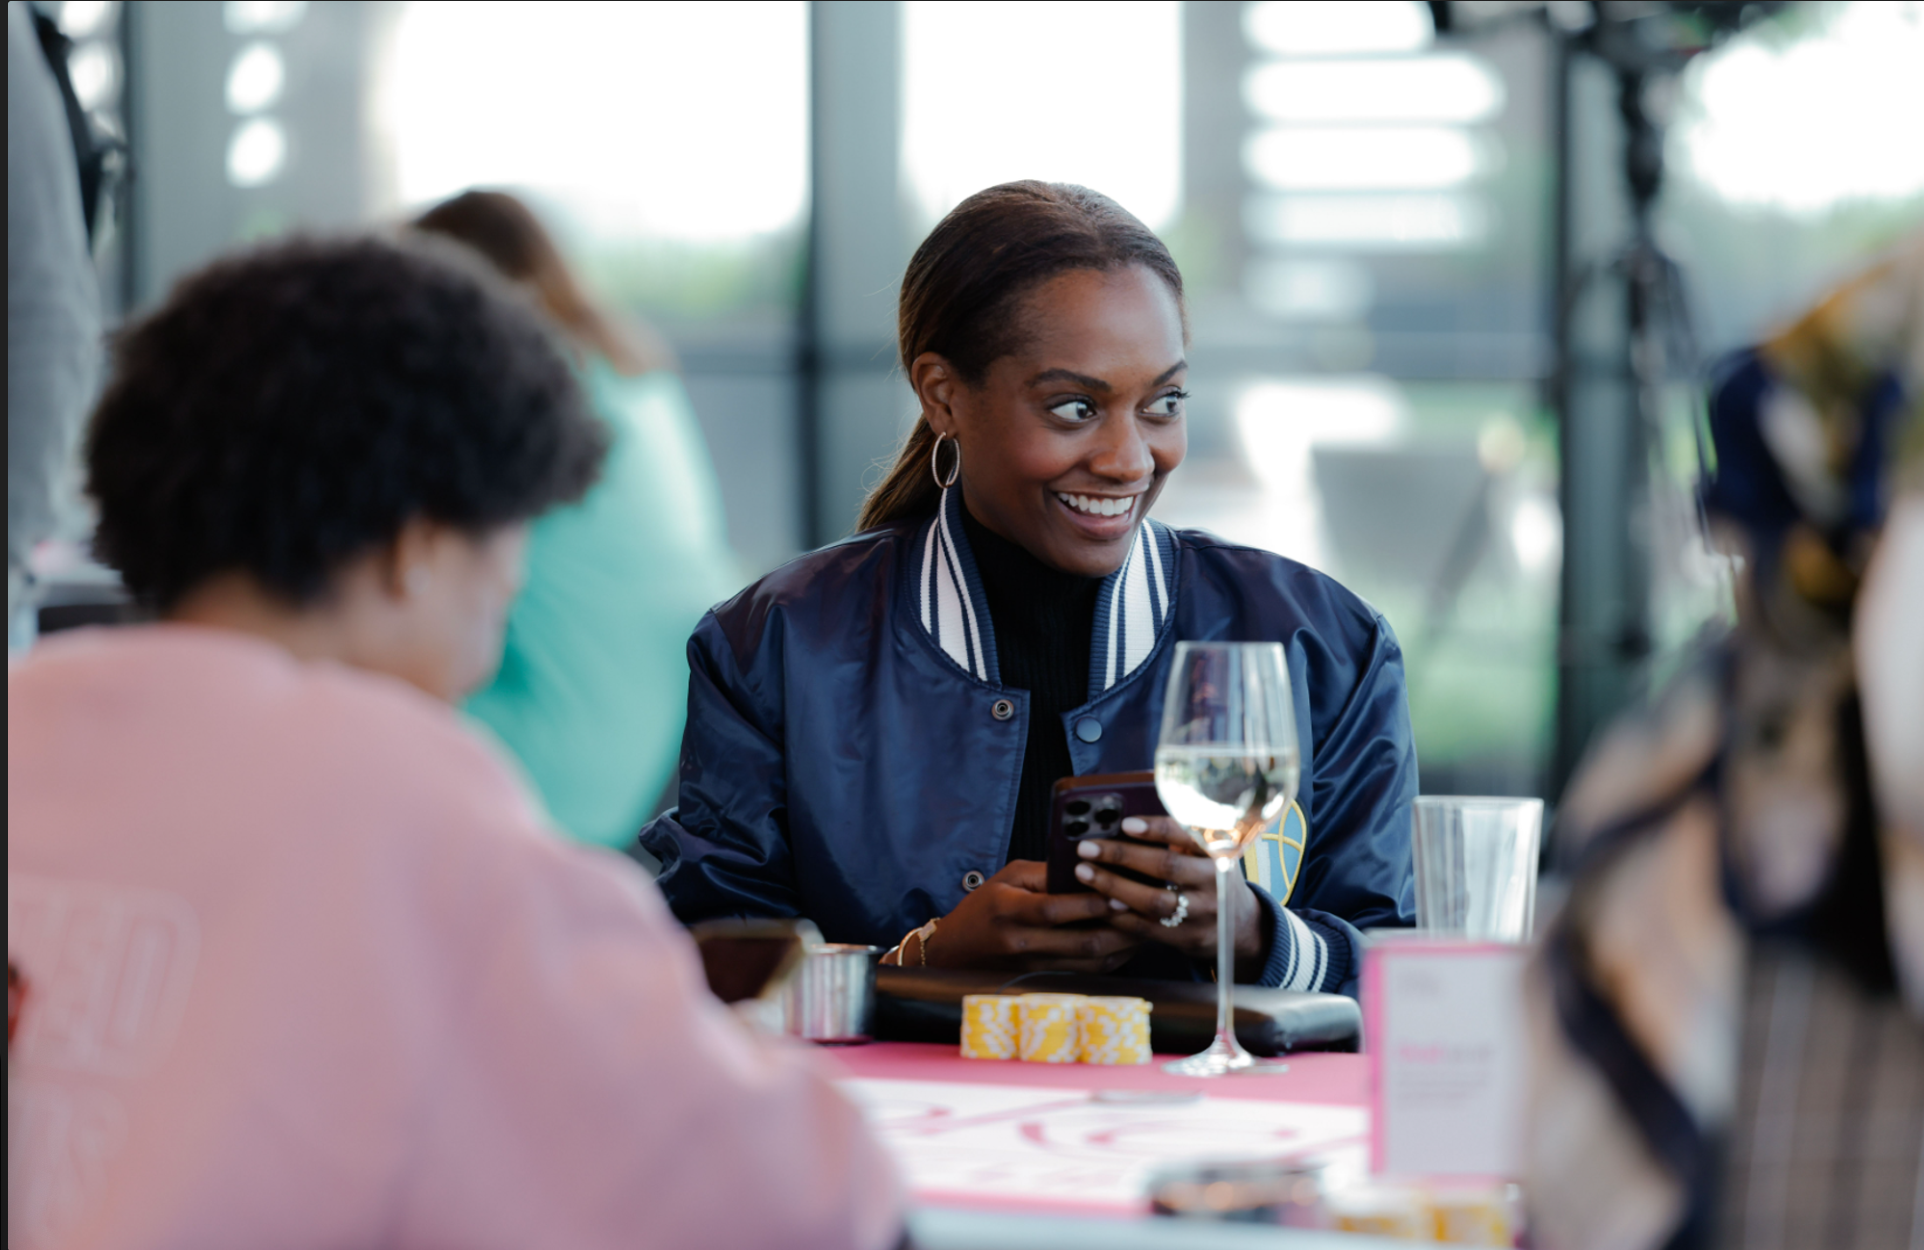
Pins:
x: 935, y: 461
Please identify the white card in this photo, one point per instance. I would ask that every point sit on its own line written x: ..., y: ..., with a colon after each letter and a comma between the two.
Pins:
x: 1444, y: 1026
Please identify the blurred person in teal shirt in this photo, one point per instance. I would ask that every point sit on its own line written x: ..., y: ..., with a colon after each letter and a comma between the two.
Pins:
x: 593, y: 683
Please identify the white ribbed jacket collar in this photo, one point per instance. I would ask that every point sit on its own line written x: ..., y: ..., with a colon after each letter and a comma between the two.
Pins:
x: 1132, y: 609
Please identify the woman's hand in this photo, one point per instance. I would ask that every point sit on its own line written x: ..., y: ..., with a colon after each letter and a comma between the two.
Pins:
x: 1010, y: 921
x: 1176, y: 860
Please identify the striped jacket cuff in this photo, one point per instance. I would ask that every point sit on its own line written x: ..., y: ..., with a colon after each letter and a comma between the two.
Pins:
x: 1304, y: 953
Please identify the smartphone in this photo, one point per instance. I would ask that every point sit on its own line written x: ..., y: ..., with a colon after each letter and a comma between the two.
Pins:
x: 1094, y: 807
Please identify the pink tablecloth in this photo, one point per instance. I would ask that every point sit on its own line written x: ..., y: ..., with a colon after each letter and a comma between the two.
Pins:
x: 1321, y: 1079
x: 995, y: 1135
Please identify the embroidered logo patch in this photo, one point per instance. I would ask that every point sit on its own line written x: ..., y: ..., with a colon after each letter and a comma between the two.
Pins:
x: 1273, y: 860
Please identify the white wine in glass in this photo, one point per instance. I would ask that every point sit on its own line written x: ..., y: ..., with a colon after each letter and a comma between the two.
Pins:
x: 1227, y: 765
x: 1225, y: 796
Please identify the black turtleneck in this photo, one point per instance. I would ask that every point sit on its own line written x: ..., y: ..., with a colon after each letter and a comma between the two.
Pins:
x: 1043, y: 619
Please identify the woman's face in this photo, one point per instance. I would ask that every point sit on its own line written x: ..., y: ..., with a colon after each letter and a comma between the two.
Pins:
x: 1066, y: 443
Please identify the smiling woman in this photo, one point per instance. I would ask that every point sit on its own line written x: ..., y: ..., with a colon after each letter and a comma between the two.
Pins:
x: 987, y: 333
x: 875, y: 731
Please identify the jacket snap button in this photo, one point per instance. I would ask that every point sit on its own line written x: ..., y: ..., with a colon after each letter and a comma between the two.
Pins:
x: 1089, y: 729
x: 971, y: 880
x: 1002, y: 710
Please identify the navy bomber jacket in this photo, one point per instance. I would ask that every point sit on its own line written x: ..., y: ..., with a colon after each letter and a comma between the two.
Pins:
x: 843, y: 759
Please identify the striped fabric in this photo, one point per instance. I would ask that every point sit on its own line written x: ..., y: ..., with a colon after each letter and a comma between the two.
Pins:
x: 954, y: 610
x: 1308, y: 957
x: 1132, y: 607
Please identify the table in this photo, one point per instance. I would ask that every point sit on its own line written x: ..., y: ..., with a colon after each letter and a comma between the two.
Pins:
x: 1328, y: 1080
x: 1012, y: 1155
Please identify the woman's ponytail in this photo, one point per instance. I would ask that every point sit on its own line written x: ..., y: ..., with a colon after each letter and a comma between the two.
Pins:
x: 909, y: 489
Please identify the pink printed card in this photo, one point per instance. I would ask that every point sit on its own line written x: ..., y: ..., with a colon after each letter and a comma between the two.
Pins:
x: 1444, y: 1028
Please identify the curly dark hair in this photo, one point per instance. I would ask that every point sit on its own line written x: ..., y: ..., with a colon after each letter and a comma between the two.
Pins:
x: 293, y: 407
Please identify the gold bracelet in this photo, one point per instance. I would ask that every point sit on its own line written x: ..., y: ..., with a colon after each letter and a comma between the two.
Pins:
x: 899, y: 952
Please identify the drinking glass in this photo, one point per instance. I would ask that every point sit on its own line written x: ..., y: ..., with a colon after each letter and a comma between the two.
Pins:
x: 1226, y: 766
x: 1476, y: 866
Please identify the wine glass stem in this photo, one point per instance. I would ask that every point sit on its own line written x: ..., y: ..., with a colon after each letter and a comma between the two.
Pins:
x: 1225, y: 954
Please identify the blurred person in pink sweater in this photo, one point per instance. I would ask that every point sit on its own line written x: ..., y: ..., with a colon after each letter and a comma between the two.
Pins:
x: 304, y: 963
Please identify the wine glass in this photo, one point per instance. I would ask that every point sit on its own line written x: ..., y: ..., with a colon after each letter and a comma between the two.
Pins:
x: 1226, y: 766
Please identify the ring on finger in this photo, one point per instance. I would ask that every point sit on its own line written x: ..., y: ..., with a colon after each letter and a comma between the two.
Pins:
x: 1175, y: 918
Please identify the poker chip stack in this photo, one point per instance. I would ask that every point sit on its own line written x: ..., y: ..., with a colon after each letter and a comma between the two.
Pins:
x: 1113, y: 1030
x: 1047, y: 1031
x: 1055, y: 1028
x: 989, y: 1026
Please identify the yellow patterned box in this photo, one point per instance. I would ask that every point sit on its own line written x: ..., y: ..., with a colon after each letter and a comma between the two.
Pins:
x: 1471, y: 1217
x: 1047, y: 1030
x: 1114, y: 1030
x: 1380, y: 1209
x: 989, y: 1026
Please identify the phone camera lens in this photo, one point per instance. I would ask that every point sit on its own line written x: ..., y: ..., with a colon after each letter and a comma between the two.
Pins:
x: 1076, y: 828
x: 1107, y: 818
x: 1077, y: 807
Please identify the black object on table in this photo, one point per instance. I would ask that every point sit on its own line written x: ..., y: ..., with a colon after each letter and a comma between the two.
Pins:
x: 745, y: 959
x: 925, y: 1005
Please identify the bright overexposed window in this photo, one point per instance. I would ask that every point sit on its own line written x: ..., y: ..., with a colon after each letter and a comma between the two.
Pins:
x: 1315, y: 28
x: 1280, y: 422
x: 669, y: 121
x: 256, y: 152
x: 1802, y: 122
x: 80, y: 19
x: 1087, y: 92
x: 1376, y: 223
x: 255, y: 79
x: 1365, y: 141
x: 1365, y: 158
x: 1442, y: 87
x: 262, y: 17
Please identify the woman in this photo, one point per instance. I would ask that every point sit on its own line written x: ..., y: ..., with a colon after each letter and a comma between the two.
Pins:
x: 303, y: 966
x: 589, y: 695
x: 875, y: 729
x: 1727, y: 1011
